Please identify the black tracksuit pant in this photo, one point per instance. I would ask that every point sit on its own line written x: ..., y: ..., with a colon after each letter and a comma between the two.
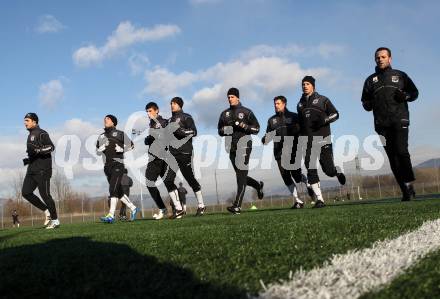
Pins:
x: 40, y: 180
x: 184, y: 162
x: 289, y: 176
x: 157, y: 167
x: 397, y: 151
x: 114, y: 173
x: 241, y: 168
x: 325, y: 158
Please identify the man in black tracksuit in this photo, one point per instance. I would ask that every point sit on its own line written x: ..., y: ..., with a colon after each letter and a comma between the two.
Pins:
x: 387, y: 93
x: 182, y: 126
x: 237, y: 123
x: 316, y: 113
x: 281, y: 127
x: 111, y: 145
x: 158, y: 155
x: 39, y: 171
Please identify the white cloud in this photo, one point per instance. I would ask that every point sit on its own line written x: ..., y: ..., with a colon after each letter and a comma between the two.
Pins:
x: 48, y: 24
x: 123, y: 37
x: 257, y: 78
x: 51, y: 93
x: 138, y: 63
x: 160, y: 81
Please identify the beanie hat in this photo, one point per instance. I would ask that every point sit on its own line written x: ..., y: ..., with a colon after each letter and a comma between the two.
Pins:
x: 234, y: 91
x: 178, y: 101
x: 113, y: 118
x: 32, y: 116
x: 309, y: 79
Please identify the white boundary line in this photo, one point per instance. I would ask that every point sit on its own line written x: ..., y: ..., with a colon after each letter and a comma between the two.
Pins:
x: 358, y: 272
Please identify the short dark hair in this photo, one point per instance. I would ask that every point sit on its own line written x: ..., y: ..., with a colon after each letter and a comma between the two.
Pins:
x: 383, y: 49
x: 151, y: 105
x: 281, y: 98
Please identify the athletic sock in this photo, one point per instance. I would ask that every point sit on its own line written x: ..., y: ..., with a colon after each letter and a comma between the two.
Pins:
x: 127, y: 202
x: 199, y: 198
x: 292, y: 188
x: 113, y: 203
x: 47, y: 213
x: 317, y: 190
x: 175, y: 198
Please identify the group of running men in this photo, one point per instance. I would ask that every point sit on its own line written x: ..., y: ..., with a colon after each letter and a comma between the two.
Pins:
x: 304, y: 135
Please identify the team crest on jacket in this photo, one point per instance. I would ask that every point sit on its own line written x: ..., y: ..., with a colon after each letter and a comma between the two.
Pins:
x: 114, y: 134
x: 177, y: 120
x: 228, y: 113
x: 394, y: 79
x: 375, y: 79
x: 274, y: 121
x: 32, y: 138
x: 315, y: 101
x: 240, y: 115
x: 288, y: 121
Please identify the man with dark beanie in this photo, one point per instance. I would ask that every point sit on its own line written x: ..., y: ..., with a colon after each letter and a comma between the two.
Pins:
x: 157, y: 142
x: 182, y: 126
x: 39, y: 171
x: 237, y: 123
x: 111, y: 145
x: 387, y: 93
x: 280, y: 127
x: 316, y: 113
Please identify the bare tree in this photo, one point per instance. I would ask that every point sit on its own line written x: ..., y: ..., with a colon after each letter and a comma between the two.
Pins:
x: 16, y: 184
x: 60, y: 186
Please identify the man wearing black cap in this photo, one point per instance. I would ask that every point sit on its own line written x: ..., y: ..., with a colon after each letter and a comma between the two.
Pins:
x: 111, y: 145
x: 182, y: 126
x: 282, y: 126
x: 316, y: 113
x: 237, y: 123
x: 387, y: 93
x: 39, y: 171
x: 158, y: 155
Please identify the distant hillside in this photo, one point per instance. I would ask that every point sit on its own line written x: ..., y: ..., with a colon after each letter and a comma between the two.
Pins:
x: 431, y: 163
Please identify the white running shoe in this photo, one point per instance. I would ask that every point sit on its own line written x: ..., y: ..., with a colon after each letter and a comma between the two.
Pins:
x: 53, y: 224
x: 160, y: 215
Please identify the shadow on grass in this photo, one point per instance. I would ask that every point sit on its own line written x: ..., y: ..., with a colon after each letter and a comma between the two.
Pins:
x: 81, y: 268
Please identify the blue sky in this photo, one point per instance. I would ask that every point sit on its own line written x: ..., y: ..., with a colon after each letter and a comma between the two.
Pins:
x: 197, y: 49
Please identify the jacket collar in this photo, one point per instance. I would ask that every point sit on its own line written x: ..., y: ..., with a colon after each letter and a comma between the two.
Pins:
x: 109, y: 130
x: 235, y: 106
x: 381, y: 71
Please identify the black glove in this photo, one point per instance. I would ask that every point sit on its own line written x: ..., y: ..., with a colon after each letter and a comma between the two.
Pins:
x: 26, y: 161
x: 242, y: 125
x: 149, y: 140
x: 400, y: 96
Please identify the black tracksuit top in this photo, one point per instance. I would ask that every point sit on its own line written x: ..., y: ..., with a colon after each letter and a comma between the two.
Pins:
x: 185, y: 128
x: 39, y: 148
x: 316, y: 108
x: 232, y: 117
x: 157, y: 140
x: 379, y: 94
x: 284, y: 124
x: 115, y: 137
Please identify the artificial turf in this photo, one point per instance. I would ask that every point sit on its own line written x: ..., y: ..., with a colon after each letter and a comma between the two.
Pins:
x: 214, y: 256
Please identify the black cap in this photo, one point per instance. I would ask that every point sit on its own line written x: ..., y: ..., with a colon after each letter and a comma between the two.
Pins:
x: 309, y: 79
x: 234, y: 91
x: 32, y: 116
x: 113, y: 118
x: 178, y: 101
